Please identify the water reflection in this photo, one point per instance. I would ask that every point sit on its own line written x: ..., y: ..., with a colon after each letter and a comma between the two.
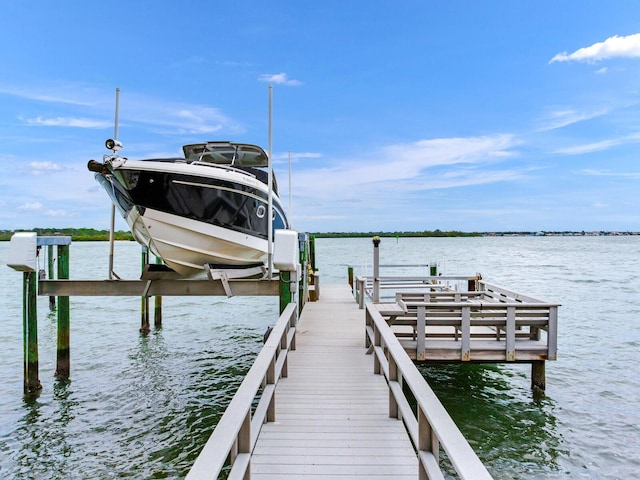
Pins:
x: 45, y: 435
x: 513, y: 433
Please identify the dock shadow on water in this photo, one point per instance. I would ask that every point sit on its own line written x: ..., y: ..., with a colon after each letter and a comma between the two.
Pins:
x: 512, y: 430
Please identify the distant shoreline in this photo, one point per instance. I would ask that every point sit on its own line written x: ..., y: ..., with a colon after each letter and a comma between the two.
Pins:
x: 93, y: 235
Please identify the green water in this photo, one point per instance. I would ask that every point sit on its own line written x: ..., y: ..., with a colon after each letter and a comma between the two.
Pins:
x: 143, y: 406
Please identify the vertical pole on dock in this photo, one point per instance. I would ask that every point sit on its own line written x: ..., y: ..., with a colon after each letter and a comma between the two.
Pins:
x: 312, y: 252
x: 144, y: 301
x: 32, y: 383
x: 285, y: 290
x: 63, y: 356
x: 157, y: 307
x: 306, y: 268
x: 52, y: 299
x: 376, y: 269
x: 350, y: 275
x: 538, y: 377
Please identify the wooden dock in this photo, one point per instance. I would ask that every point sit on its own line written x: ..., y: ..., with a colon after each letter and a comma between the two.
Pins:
x: 332, y: 411
x: 326, y: 398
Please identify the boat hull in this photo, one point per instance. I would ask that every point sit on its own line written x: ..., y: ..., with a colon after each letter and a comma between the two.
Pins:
x: 187, y: 245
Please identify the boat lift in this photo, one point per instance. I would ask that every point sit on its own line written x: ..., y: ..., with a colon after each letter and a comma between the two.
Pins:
x: 289, y: 251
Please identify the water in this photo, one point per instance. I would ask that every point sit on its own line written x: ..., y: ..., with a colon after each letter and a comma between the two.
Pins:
x: 143, y: 406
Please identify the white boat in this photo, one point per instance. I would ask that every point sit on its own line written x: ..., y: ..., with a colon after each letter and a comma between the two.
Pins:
x: 205, y: 210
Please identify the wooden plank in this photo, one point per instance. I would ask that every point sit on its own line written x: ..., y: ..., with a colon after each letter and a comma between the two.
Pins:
x: 332, y: 410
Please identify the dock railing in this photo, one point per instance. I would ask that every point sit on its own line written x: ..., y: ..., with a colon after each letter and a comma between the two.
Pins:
x: 526, y: 328
x: 237, y: 431
x: 431, y: 427
x: 516, y: 318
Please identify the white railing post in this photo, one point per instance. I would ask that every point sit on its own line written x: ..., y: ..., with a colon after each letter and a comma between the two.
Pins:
x: 421, y: 332
x: 360, y: 291
x: 393, y: 377
x: 552, y: 334
x: 511, y: 334
x: 465, y: 328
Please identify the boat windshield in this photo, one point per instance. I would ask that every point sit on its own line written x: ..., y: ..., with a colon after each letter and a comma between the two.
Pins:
x: 227, y: 153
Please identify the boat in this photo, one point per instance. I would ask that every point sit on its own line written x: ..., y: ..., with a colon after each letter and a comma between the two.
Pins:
x: 206, y: 210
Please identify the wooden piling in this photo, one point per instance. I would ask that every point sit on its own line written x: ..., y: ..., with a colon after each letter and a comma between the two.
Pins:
x: 63, y: 360
x: 32, y: 383
x: 350, y: 276
x: 50, y: 272
x: 312, y: 252
x: 285, y: 290
x: 538, y: 377
x: 157, y: 307
x: 376, y: 269
x: 144, y: 301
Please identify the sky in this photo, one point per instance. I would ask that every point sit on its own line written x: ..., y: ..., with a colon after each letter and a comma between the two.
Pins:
x: 404, y: 115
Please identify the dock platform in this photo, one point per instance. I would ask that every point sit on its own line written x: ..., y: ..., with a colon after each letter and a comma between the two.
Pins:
x: 327, y: 398
x: 332, y: 411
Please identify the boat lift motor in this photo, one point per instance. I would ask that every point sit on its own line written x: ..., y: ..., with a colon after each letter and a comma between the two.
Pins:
x: 23, y: 252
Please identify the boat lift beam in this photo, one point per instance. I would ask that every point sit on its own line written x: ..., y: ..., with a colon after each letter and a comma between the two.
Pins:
x: 152, y: 288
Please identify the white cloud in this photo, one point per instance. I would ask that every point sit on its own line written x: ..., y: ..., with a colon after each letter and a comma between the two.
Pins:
x: 39, y: 168
x: 615, y: 46
x: 605, y: 173
x: 156, y: 115
x: 601, y: 71
x: 179, y: 118
x: 66, y: 94
x: 67, y: 122
x: 563, y: 117
x: 30, y: 207
x: 598, y: 146
x: 279, y: 79
x: 57, y: 213
x: 460, y: 161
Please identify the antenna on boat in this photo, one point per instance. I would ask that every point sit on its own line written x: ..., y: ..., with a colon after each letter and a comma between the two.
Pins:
x: 270, y: 185
x: 113, y: 206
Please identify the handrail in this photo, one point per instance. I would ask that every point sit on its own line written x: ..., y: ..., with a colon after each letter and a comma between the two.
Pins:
x: 237, y: 431
x: 432, y: 426
x: 502, y: 291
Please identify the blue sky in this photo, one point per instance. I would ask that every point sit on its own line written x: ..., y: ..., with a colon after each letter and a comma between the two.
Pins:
x: 398, y: 115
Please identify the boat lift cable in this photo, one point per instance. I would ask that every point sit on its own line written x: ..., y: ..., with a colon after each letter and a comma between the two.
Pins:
x: 270, y: 185
x: 113, y: 205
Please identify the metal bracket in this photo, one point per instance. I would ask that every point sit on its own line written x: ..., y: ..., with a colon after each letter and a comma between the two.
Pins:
x: 214, y: 272
x: 222, y: 276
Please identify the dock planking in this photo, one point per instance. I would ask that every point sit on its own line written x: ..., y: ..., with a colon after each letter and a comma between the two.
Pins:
x: 332, y: 411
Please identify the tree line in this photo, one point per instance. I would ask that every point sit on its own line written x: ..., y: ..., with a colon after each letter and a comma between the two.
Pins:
x: 76, y: 234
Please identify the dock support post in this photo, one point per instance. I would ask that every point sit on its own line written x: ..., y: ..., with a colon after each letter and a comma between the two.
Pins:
x: 144, y: 301
x: 63, y: 356
x: 350, y: 276
x: 32, y: 383
x: 157, y: 307
x: 52, y: 299
x: 285, y: 290
x: 538, y: 380
x: 312, y: 252
x: 376, y: 269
